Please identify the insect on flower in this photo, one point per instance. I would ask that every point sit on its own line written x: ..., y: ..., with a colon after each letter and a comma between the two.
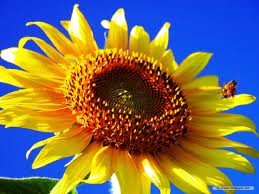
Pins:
x: 229, y: 89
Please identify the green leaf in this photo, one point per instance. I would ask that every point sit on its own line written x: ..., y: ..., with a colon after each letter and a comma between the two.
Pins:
x: 33, y: 185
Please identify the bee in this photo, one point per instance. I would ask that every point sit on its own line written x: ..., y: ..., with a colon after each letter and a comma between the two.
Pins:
x: 229, y: 89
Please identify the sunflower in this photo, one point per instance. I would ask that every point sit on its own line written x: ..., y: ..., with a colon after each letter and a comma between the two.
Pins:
x: 128, y: 109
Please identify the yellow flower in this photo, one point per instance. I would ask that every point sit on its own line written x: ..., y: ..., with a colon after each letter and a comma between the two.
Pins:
x: 127, y: 109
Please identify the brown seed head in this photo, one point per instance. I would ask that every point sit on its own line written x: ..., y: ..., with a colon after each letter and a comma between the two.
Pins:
x: 127, y: 101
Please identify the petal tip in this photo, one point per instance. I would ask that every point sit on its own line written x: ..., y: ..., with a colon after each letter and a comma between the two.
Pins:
x: 209, y: 54
x: 8, y: 55
x: 248, y: 97
x: 120, y: 11
x: 105, y: 24
x: 253, y: 98
x: 28, y: 154
x: 76, y: 6
x: 167, y: 25
x: 252, y: 170
x: 119, y: 16
x: 29, y: 23
x: 34, y: 166
x: 37, y: 163
x: 33, y: 23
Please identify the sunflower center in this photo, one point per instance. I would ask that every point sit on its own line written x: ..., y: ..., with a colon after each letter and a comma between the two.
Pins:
x: 128, y: 90
x: 127, y: 101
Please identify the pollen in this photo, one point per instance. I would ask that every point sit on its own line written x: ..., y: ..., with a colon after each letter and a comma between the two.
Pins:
x: 127, y: 101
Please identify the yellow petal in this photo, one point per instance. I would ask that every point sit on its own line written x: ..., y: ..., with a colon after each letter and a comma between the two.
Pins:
x: 115, y: 186
x: 66, y: 134
x: 154, y: 173
x: 211, y: 175
x: 205, y: 87
x: 218, y: 158
x: 37, y: 99
x: 101, y: 166
x: 81, y: 32
x: 118, y: 31
x: 221, y: 142
x: 24, y: 79
x: 223, y: 124
x: 105, y: 24
x: 126, y: 172
x: 46, y: 121
x: 38, y: 64
x: 168, y: 62
x: 241, y: 99
x: 212, y: 104
x: 202, y: 82
x: 46, y: 48
x: 65, y: 24
x: 145, y: 185
x: 208, y: 93
x: 139, y: 40
x: 191, y: 67
x: 60, y: 41
x: 77, y: 170
x: 62, y: 148
x: 160, y: 43
x: 187, y: 182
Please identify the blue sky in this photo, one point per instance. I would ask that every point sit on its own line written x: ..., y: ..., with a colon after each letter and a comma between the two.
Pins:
x: 229, y: 29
